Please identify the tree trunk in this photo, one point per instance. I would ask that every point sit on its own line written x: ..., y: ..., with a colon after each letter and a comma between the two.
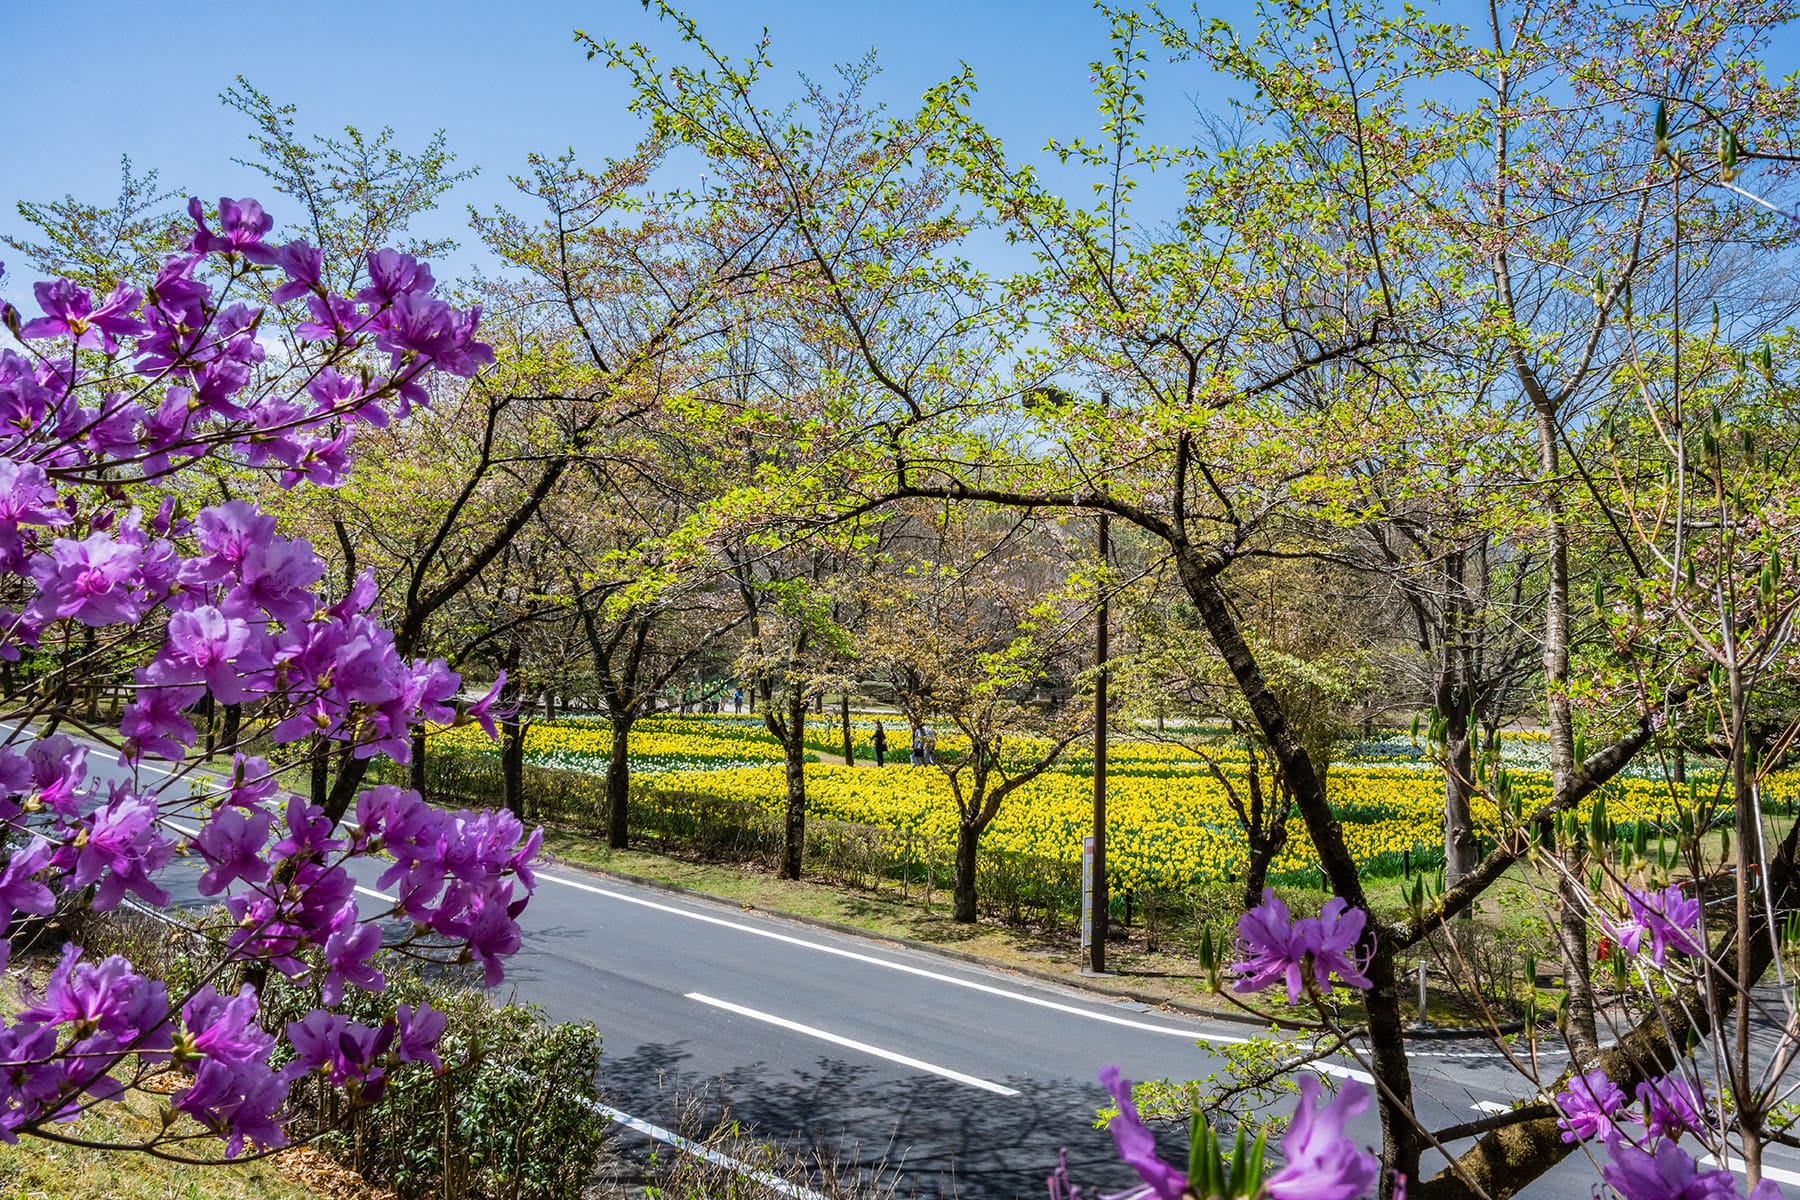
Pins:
x: 1401, y: 1141
x: 1256, y: 872
x: 1460, y: 850
x: 793, y: 845
x: 512, y: 762
x: 618, y: 786
x: 415, y: 770
x: 849, y: 745
x: 1580, y: 1031
x: 968, y: 842
x: 321, y: 771
x: 234, y: 720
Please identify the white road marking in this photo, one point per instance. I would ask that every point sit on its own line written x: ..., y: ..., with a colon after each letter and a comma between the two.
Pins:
x: 1778, y: 1174
x: 907, y: 968
x: 905, y: 1060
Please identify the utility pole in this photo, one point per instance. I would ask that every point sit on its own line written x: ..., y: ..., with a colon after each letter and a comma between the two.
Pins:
x: 1097, y: 942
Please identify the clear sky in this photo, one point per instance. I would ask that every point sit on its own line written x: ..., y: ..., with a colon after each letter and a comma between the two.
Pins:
x: 83, y: 84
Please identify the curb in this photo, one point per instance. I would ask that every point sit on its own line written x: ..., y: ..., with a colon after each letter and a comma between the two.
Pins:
x: 1077, y: 982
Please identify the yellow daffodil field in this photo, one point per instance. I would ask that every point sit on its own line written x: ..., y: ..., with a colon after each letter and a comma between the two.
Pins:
x: 1171, y: 825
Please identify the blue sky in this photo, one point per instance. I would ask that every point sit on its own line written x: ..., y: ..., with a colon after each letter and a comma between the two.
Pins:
x: 501, y: 80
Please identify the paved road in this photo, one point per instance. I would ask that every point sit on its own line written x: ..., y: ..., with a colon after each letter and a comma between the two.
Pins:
x: 965, y: 1081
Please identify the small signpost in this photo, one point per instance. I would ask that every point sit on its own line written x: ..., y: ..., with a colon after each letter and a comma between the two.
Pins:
x: 1087, y: 893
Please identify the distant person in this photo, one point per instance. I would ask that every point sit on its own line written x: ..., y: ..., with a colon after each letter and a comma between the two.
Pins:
x: 918, y: 744
x: 880, y: 745
x: 737, y: 702
x: 929, y: 750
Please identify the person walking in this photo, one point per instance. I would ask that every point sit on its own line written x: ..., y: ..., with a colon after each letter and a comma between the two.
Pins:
x: 737, y: 702
x: 880, y: 745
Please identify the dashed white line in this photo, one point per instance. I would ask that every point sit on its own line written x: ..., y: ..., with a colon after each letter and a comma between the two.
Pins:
x: 836, y: 1039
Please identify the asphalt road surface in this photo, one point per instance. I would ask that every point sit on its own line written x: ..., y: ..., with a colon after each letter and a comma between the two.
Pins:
x: 963, y: 1081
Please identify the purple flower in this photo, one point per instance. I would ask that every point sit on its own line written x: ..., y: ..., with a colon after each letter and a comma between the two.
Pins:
x: 152, y: 723
x: 27, y: 497
x: 391, y: 274
x: 1135, y: 1142
x: 224, y: 1027
x: 204, y: 646
x: 1272, y: 949
x: 1324, y: 1162
x: 89, y: 580
x: 303, y: 264
x: 231, y: 842
x: 1669, y: 918
x: 1332, y: 938
x: 19, y: 891
x: 1672, y: 1107
x: 241, y: 1100
x: 120, y: 848
x: 482, y: 711
x: 1588, y: 1106
x: 70, y: 310
x: 419, y: 1031
x: 1669, y: 1174
x: 242, y: 223
x: 1276, y: 951
x: 348, y: 949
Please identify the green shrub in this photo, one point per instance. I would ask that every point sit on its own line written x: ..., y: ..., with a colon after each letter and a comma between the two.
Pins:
x: 510, y: 1117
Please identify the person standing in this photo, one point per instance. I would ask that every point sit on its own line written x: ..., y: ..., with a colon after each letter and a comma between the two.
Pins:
x: 737, y: 702
x: 880, y: 745
x: 917, y: 749
x: 929, y: 750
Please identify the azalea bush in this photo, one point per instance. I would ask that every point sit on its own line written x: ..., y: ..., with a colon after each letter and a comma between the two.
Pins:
x: 234, y: 366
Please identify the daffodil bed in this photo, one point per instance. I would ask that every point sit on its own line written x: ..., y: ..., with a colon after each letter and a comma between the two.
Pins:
x: 1170, y: 824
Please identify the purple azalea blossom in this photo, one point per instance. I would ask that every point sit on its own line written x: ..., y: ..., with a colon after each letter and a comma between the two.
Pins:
x: 1275, y: 950
x: 348, y: 948
x: 224, y: 1027
x: 1672, y: 1107
x: 1668, y: 1174
x: 1670, y: 919
x: 121, y: 849
x: 232, y: 842
x: 419, y: 1031
x: 240, y: 1100
x: 242, y: 224
x: 1324, y: 1162
x: 19, y: 891
x: 304, y: 264
x: 1588, y: 1106
x: 27, y: 497
x: 89, y: 580
x: 206, y: 647
x: 1136, y: 1144
x: 70, y: 311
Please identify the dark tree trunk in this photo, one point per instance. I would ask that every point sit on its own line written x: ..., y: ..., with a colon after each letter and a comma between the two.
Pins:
x: 415, y: 770
x: 321, y: 771
x: 512, y: 763
x: 618, y: 786
x: 1401, y: 1141
x: 968, y: 843
x: 793, y: 846
x: 234, y: 721
x: 1461, y: 852
x: 849, y: 745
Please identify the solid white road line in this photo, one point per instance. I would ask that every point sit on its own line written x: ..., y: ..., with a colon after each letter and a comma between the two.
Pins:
x: 905, y: 1060
x: 1778, y: 1174
x: 972, y: 985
